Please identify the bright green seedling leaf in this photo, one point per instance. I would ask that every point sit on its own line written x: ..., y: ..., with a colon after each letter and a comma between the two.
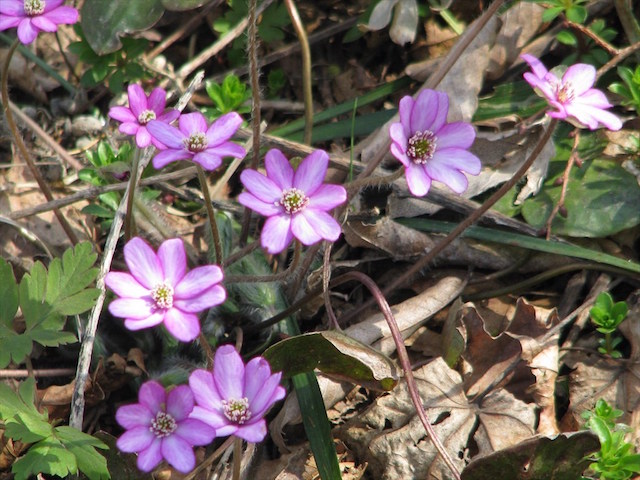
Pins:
x: 228, y: 96
x: 83, y: 447
x: 606, y: 316
x: 19, y: 414
x: 562, y: 457
x: 334, y: 354
x: 45, y: 457
x: 8, y: 296
x: 630, y: 88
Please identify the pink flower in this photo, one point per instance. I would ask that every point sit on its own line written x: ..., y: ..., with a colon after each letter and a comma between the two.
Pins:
x: 159, y: 289
x: 33, y: 16
x: 142, y: 110
x: 159, y: 427
x: 196, y: 141
x: 572, y: 96
x: 295, y: 202
x: 429, y: 147
x: 234, y: 398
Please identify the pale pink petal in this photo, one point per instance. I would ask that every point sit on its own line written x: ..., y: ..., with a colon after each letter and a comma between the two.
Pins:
x: 125, y: 285
x: 457, y: 158
x: 254, y: 203
x: 592, y: 116
x: 323, y: 224
x: 139, y: 324
x: 441, y: 113
x: 327, y: 197
x: 263, y: 188
x: 166, y: 134
x: 133, y: 308
x: 270, y: 393
x: 418, y: 181
x: 276, y: 233
x: 311, y: 172
x: 404, y: 111
x: 304, y: 230
x: 143, y: 139
x: 184, y: 326
x: 173, y: 260
x: 149, y: 458
x: 223, y: 128
x: 157, y: 101
x: 135, y: 415
x: 424, y: 111
x: 229, y: 149
x: 215, y: 295
x: 213, y: 418
x: 27, y: 32
x: 594, y: 98
x: 279, y: 170
x: 130, y: 128
x: 191, y: 123
x: 204, y: 390
x: 256, y: 372
x: 135, y: 439
x: 545, y: 88
x: 398, y: 135
x: 399, y: 152
x: 179, y: 453
x: 253, y: 432
x: 143, y: 263
x: 195, y: 431
x: 165, y: 157
x: 180, y: 402
x: 581, y: 77
x: 228, y: 372
x: 197, y: 281
x: 442, y: 172
x: 208, y: 159
x: 153, y: 396
x: 137, y: 99
x: 536, y: 65
x: 456, y: 134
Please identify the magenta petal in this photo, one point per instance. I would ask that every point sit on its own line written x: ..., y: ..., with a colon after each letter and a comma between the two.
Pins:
x: 143, y: 139
x: 179, y: 453
x: 184, y: 326
x: 279, y: 170
x: 14, y: 8
x: 228, y: 372
x: 263, y: 208
x: 214, y: 418
x: 311, y: 172
x: 143, y: 263
x: 595, y: 98
x: 209, y: 159
x: 442, y: 172
x: 204, y: 390
x: 149, y: 458
x: 133, y: 308
x: 215, y: 295
x: 536, y: 65
x: 581, y: 77
x: 52, y: 5
x: 135, y: 439
x: 404, y: 111
x: 138, y: 324
x: 197, y: 281
x: 165, y: 157
x: 270, y: 393
x: 456, y: 134
x: 397, y: 134
x: 424, y: 111
x: 458, y: 159
x: 229, y: 149
x: 264, y: 188
x: 327, y: 197
x: 256, y: 372
x: 166, y: 134
x: 43, y: 23
x: 303, y: 230
x: 152, y: 395
x: 441, y: 112
x: 135, y: 415
x: 253, y: 432
x: 27, y: 32
x: 418, y: 181
x: 173, y: 259
x: 195, y: 431
x: 8, y: 22
x: 400, y: 153
x: 276, y: 233
x: 191, y: 123
x: 137, y: 99
x: 168, y: 116
x: 124, y: 285
x: 66, y: 15
x: 130, y: 128
x: 223, y: 128
x: 322, y: 223
x: 180, y: 402
x: 157, y: 101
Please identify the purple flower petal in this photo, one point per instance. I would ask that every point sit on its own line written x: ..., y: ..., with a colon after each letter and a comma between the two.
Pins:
x: 179, y: 453
x: 166, y: 134
x: 252, y: 432
x: 418, y: 181
x: 311, y: 172
x: 173, y: 259
x: 404, y: 111
x: 168, y: 116
x: 270, y: 393
x: 327, y: 197
x: 303, y: 230
x: 322, y: 223
x: 157, y: 101
x: 13, y: 8
x: 279, y: 170
x: 138, y: 324
x: 229, y: 149
x: 191, y: 123
x: 130, y: 128
x: 66, y: 15
x: 204, y: 390
x: 594, y: 98
x: 143, y: 139
x: 184, y: 326
x: 27, y: 32
x: 8, y: 22
x: 276, y: 233
x: 43, y: 23
x: 442, y: 172
x: 263, y: 188
x: 228, y: 372
x: 197, y: 281
x: 397, y: 134
x: 153, y: 396
x: 457, y: 158
x: 263, y: 208
x: 441, y: 113
x: 124, y: 285
x: 214, y: 418
x: 536, y: 65
x: 456, y: 134
x: 149, y: 458
x: 591, y: 116
x: 134, y: 309
x: 424, y: 111
x: 143, y: 263
x: 180, y: 402
x: 208, y: 159
x: 135, y: 439
x: 215, y: 295
x: 196, y: 432
x: 135, y: 415
x: 399, y: 152
x: 137, y: 99
x: 223, y: 128
x: 581, y: 77
x: 52, y: 5
x: 165, y: 157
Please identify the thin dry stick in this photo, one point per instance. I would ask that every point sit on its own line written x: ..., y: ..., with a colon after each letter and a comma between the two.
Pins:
x: 403, y: 357
x: 210, y: 459
x: 22, y: 148
x: 326, y: 278
x: 42, y: 373
x: 620, y: 56
x: 593, y: 36
x: 306, y: 68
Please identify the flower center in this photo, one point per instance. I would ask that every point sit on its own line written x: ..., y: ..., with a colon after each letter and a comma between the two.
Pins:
x: 237, y: 410
x: 146, y: 116
x: 422, y: 146
x: 163, y: 425
x: 162, y: 294
x: 293, y: 200
x: 197, y: 142
x: 33, y: 7
x: 564, y: 93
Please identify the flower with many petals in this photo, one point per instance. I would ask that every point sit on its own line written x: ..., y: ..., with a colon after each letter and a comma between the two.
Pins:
x: 159, y: 427
x: 196, y: 141
x: 572, y: 96
x: 160, y: 290
x: 142, y: 109
x: 35, y: 16
x: 296, y: 202
x: 429, y: 147
x: 234, y: 398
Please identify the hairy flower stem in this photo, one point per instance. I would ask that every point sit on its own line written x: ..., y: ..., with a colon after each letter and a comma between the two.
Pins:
x: 215, y: 234
x: 237, y: 457
x: 403, y: 357
x: 475, y: 216
x: 355, y: 185
x: 129, y: 224
x: 306, y: 68
x: 22, y: 148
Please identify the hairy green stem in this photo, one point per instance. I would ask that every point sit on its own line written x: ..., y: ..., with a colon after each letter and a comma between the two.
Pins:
x: 22, y: 148
x: 215, y: 234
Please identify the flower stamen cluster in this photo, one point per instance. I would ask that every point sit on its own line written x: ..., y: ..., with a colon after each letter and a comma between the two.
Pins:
x: 162, y: 294
x: 196, y: 142
x: 293, y: 200
x: 146, y: 116
x: 163, y: 425
x: 34, y: 7
x: 237, y: 410
x: 422, y: 146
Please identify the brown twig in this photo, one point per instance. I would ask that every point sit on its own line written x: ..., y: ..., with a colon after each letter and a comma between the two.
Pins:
x: 593, y: 36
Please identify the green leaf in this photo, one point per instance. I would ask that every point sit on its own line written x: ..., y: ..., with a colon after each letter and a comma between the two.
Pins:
x: 107, y: 21
x: 576, y: 13
x: 83, y: 447
x: 567, y: 38
x: 182, y: 5
x: 45, y: 457
x: 23, y: 421
x: 600, y: 428
x: 8, y: 295
x: 551, y: 13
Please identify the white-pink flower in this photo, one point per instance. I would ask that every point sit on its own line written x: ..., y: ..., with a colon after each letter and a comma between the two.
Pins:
x: 234, y: 398
x: 572, y: 96
x: 429, y: 147
x: 33, y: 16
x: 296, y: 202
x: 160, y: 290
